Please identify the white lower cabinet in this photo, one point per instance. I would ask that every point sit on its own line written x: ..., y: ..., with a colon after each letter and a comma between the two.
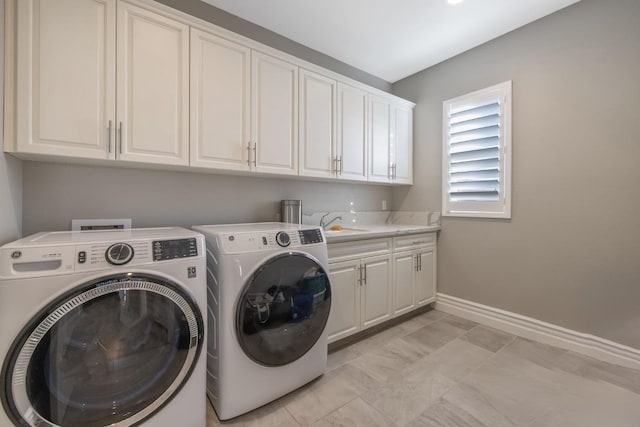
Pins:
x: 375, y: 280
x: 414, y: 278
x: 344, y: 318
x: 375, y: 283
x: 404, y: 269
x: 414, y: 271
x: 361, y: 287
x: 425, y: 284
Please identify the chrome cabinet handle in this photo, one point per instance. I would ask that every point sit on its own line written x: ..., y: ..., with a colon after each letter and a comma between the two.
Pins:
x: 360, y: 275
x: 335, y: 165
x: 119, y: 142
x: 419, y: 262
x: 109, y: 136
x: 255, y: 155
x: 248, y: 153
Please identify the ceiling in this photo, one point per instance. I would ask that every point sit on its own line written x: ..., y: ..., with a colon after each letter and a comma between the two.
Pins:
x: 390, y: 39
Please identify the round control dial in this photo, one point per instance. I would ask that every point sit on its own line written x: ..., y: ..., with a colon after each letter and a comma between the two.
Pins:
x: 119, y: 254
x: 283, y: 239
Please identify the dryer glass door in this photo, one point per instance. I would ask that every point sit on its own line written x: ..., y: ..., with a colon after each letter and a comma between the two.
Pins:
x: 283, y: 309
x: 110, y: 353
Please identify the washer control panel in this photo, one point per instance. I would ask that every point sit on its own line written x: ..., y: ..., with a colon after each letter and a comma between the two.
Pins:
x: 170, y: 249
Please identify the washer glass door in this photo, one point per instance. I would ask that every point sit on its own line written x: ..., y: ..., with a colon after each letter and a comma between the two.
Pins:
x: 283, y: 309
x: 110, y: 353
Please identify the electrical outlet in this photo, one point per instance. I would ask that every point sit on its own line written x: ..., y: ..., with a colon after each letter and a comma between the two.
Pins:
x: 384, y: 205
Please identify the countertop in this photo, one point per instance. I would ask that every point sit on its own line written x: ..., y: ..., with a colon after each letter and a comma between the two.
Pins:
x: 360, y: 232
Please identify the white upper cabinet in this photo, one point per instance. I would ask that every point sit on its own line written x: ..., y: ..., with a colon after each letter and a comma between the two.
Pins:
x: 64, y: 78
x: 220, y: 102
x: 390, y: 141
x: 274, y: 114
x: 317, y: 125
x: 379, y: 128
x: 401, y: 144
x: 135, y: 81
x: 152, y: 87
x: 352, y: 133
x: 69, y: 74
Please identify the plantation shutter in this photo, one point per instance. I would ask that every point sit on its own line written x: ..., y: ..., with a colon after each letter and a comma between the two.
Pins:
x: 474, y: 154
x: 476, y: 163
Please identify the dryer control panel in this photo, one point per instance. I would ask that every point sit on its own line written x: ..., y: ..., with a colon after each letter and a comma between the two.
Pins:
x: 268, y: 240
x: 308, y: 237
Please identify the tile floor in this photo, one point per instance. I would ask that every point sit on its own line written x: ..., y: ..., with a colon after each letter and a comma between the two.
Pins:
x: 440, y: 370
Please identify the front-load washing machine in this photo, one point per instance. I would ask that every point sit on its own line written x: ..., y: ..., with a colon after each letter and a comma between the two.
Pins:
x: 103, y: 328
x: 269, y: 299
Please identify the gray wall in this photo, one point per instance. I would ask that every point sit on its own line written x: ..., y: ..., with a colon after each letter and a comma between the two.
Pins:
x: 10, y: 169
x: 570, y: 254
x: 231, y: 22
x: 10, y: 198
x: 55, y: 193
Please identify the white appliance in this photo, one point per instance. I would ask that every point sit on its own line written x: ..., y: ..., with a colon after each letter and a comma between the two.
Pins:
x: 104, y: 328
x: 269, y: 300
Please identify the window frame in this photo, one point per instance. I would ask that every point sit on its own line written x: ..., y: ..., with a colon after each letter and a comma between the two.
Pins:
x: 502, y: 93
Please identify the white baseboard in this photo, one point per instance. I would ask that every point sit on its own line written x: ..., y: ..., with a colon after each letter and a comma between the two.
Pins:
x: 527, y: 327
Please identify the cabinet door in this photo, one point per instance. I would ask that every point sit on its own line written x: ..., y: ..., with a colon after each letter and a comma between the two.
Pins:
x: 220, y: 102
x: 379, y: 129
x: 317, y: 125
x: 274, y: 115
x: 404, y: 271
x: 344, y: 317
x: 402, y: 145
x: 376, y: 292
x: 352, y: 133
x: 153, y: 87
x: 426, y: 276
x: 65, y: 77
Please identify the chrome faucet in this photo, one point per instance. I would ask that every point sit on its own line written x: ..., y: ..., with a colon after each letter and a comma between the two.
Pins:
x: 324, y: 225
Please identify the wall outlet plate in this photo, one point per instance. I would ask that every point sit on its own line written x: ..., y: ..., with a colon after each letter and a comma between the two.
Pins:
x: 100, y: 224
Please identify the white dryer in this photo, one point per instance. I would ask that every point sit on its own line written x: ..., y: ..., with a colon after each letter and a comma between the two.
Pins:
x: 103, y: 328
x: 269, y: 301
